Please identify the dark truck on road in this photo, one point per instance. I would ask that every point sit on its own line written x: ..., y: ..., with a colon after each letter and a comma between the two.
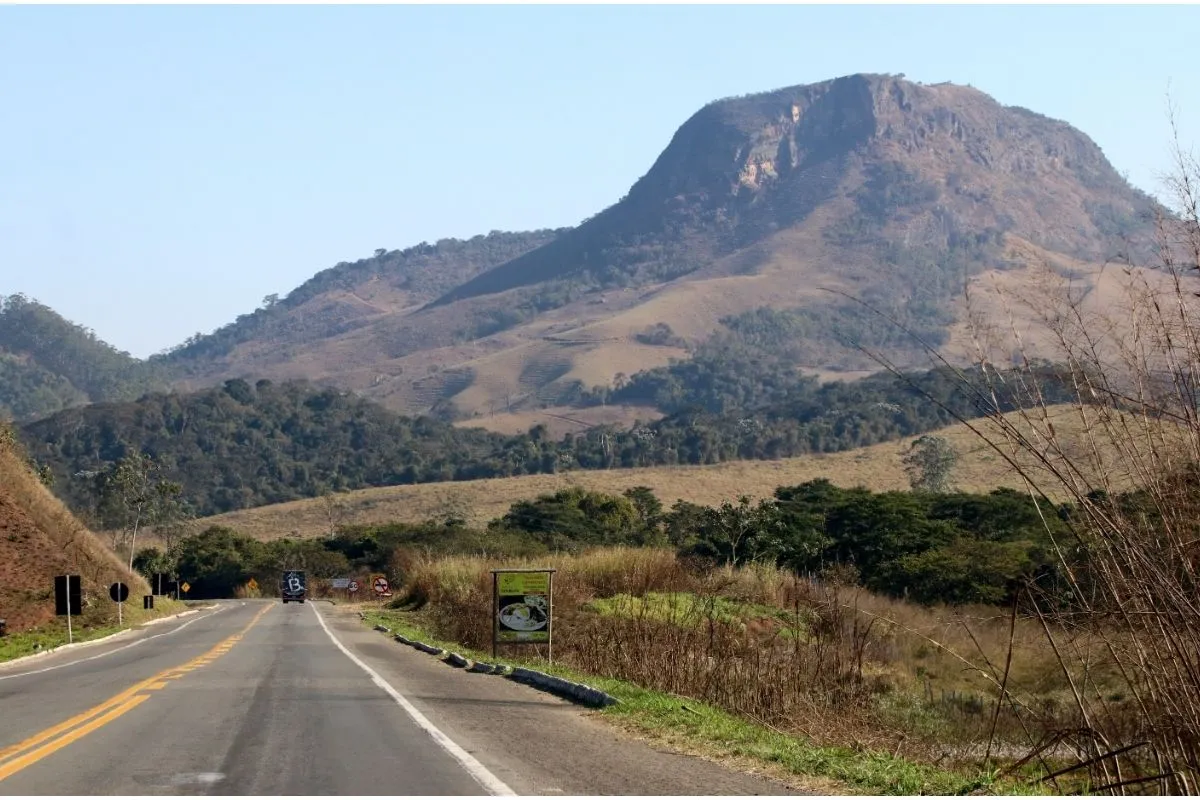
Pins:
x: 292, y: 587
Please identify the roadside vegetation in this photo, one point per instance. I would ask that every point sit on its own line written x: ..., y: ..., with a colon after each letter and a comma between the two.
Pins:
x: 96, y: 622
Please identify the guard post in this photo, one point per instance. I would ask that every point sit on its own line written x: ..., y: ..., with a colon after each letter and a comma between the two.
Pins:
x: 523, y: 608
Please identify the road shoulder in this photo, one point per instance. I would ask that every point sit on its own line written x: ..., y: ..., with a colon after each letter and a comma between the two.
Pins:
x: 538, y: 743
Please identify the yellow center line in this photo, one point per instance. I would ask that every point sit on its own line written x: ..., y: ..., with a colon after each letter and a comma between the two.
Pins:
x: 20, y: 763
x: 19, y: 756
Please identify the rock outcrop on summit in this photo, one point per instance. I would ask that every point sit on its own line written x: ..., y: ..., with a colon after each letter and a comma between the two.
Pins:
x: 929, y: 164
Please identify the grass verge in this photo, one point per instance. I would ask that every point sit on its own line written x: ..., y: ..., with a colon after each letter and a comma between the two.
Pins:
x: 54, y: 634
x: 696, y: 728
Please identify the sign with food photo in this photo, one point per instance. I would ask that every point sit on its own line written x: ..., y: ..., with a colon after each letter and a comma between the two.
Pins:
x: 523, y: 606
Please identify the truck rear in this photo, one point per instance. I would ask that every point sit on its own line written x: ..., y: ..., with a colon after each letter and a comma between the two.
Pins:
x: 292, y: 586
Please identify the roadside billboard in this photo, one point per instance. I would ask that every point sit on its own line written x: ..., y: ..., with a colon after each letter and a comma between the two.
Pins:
x: 522, y: 606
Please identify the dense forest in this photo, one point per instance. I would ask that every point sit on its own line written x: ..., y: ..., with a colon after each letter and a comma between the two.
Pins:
x: 242, y: 445
x: 48, y: 363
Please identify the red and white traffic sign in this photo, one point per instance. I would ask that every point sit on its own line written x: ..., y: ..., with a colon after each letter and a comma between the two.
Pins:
x: 352, y: 586
x: 381, y: 585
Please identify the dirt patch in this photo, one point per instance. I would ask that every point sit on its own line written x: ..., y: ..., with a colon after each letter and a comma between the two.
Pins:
x: 29, y: 560
x: 39, y: 539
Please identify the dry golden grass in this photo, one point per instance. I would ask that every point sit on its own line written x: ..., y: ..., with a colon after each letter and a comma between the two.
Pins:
x: 877, y: 467
x: 561, y: 420
x: 1006, y: 311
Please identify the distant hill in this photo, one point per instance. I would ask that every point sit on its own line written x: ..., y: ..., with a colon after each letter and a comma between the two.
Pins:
x: 892, y: 192
x: 241, y: 445
x: 48, y: 363
x: 39, y: 538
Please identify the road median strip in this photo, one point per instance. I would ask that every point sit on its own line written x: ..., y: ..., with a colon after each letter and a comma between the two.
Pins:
x: 17, y: 757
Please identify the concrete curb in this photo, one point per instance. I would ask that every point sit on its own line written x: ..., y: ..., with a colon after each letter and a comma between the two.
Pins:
x: 568, y: 690
x: 101, y: 640
x: 562, y: 687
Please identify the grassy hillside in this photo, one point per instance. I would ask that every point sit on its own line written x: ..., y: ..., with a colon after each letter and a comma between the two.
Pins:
x: 39, y: 539
x: 877, y: 467
x: 346, y: 297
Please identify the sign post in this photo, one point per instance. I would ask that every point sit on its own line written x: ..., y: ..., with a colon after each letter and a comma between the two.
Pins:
x: 68, y: 599
x: 523, y: 608
x: 119, y: 592
x: 380, y: 584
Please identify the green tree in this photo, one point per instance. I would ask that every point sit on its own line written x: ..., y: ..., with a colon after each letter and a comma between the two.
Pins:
x: 150, y: 561
x: 132, y: 495
x: 739, y: 533
x: 218, y: 560
x: 929, y: 462
x: 649, y: 509
x: 684, y: 522
x: 573, y: 517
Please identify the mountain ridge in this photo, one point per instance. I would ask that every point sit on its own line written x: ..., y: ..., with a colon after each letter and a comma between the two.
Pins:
x: 896, y: 193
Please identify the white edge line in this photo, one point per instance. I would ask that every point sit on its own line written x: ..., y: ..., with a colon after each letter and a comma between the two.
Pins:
x: 109, y: 652
x: 478, y: 771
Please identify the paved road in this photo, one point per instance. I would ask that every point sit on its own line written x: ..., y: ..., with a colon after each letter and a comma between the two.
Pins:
x: 254, y: 697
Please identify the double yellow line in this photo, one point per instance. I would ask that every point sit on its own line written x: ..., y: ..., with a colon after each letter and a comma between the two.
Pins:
x: 23, y: 754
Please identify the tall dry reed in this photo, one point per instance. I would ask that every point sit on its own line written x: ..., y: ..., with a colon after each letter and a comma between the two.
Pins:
x: 1124, y: 622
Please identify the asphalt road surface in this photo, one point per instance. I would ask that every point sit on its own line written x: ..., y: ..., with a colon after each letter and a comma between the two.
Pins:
x: 254, y: 697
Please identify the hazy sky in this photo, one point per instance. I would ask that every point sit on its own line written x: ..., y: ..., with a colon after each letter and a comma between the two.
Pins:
x: 164, y: 168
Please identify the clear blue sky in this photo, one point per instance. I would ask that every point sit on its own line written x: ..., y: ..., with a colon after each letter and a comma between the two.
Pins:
x: 164, y: 168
